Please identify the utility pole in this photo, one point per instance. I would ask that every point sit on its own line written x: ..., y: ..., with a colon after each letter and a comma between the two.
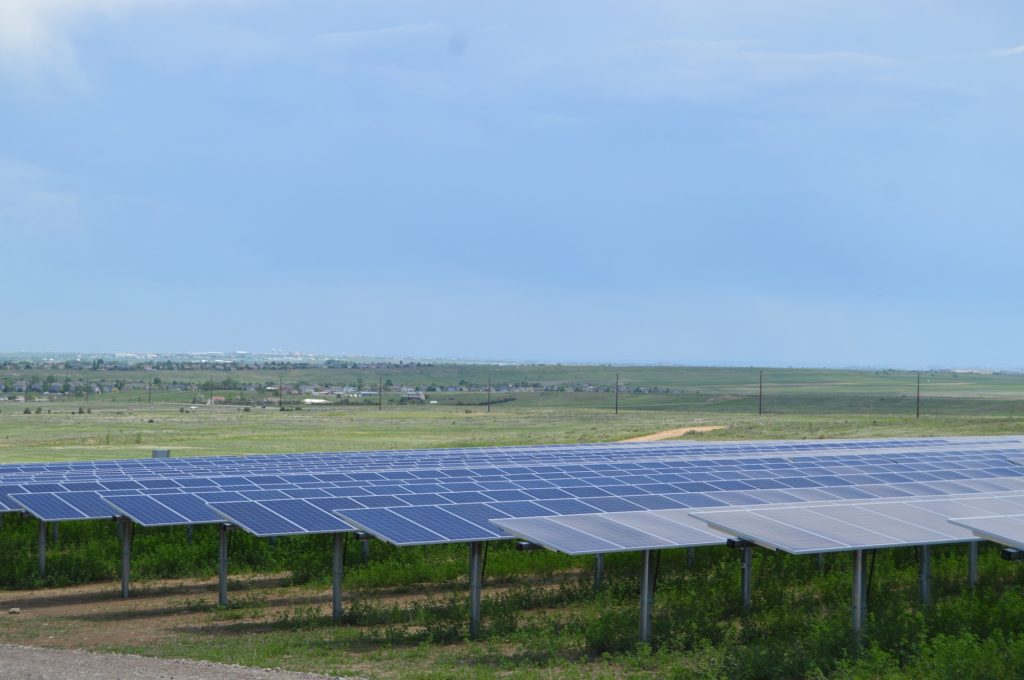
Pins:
x: 380, y: 393
x: 918, y: 394
x: 488, y: 394
x: 616, y: 393
x: 211, y: 390
x: 280, y: 391
x: 150, y: 390
x: 760, y: 392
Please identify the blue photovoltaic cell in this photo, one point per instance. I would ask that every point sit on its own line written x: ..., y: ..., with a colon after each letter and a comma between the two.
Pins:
x: 381, y: 501
x: 159, y: 484
x: 256, y: 519
x: 145, y: 510
x: 567, y: 506
x: 521, y: 509
x: 393, y: 528
x: 302, y: 493
x: 508, y: 495
x: 265, y: 495
x: 654, y: 502
x: 47, y: 507
x: 121, y: 486
x: 220, y: 496
x: 547, y: 494
x: 89, y: 503
x: 42, y: 488
x: 332, y: 504
x: 465, y: 497
x: 447, y: 524
x: 308, y: 517
x: 83, y: 486
x: 612, y: 504
x: 479, y: 513
x: 190, y: 506
x: 424, y: 499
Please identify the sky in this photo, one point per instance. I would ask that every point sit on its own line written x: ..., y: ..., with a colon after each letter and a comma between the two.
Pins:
x: 777, y: 183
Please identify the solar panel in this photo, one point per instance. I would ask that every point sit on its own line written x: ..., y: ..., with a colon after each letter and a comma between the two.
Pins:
x: 855, y: 526
x: 542, y: 481
x: 448, y: 525
x: 48, y: 507
x: 190, y: 506
x: 256, y: 519
x: 548, y: 532
x: 1005, y: 529
x: 146, y: 511
x: 308, y: 517
x: 385, y: 524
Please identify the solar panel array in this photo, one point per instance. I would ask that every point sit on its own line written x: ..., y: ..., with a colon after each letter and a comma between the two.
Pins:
x: 823, y: 528
x: 1007, y: 529
x: 598, y: 497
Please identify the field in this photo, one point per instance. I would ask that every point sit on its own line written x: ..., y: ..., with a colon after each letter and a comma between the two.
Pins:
x: 406, y: 609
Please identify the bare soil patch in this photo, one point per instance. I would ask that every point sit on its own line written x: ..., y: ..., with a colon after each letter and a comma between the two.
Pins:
x: 677, y: 432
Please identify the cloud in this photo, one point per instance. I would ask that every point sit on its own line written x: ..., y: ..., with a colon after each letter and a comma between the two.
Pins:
x: 1009, y: 52
x: 36, y: 35
x: 378, y: 38
x: 728, y: 68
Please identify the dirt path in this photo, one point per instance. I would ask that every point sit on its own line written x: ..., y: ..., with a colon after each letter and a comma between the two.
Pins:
x: 34, y: 663
x: 672, y: 434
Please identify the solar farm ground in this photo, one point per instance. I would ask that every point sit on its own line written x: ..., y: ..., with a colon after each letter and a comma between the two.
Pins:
x: 406, y: 608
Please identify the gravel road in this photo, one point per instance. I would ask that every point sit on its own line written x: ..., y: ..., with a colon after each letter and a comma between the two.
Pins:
x: 34, y: 663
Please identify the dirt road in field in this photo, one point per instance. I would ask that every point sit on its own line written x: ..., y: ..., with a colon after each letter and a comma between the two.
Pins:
x: 34, y: 663
x: 671, y: 434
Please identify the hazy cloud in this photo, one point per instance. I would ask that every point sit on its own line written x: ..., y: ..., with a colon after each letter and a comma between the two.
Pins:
x: 37, y: 35
x: 383, y: 37
x: 1009, y: 52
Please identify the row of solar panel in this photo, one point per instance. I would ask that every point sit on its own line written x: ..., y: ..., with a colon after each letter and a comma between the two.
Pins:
x: 415, y: 520
x: 799, y: 529
x: 865, y: 469
x: 351, y: 473
x: 615, y: 501
x: 433, y: 456
x: 349, y: 467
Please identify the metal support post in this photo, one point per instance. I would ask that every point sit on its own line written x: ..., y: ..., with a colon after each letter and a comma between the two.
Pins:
x: 475, y: 586
x: 364, y: 550
x: 858, y: 591
x: 972, y: 564
x: 821, y: 562
x: 646, y: 595
x: 598, y: 571
x: 42, y: 549
x: 338, y: 571
x: 691, y: 557
x: 746, y: 571
x: 126, y: 556
x: 188, y: 533
x: 222, y: 567
x: 55, y: 532
x: 925, y: 576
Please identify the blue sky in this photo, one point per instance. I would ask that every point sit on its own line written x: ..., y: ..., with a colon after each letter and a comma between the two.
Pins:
x: 781, y: 183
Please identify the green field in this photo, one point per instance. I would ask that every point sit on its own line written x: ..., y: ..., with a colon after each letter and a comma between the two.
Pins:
x: 578, y: 405
x: 542, y: 617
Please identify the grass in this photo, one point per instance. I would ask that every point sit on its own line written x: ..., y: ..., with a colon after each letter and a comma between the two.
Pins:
x: 134, y: 430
